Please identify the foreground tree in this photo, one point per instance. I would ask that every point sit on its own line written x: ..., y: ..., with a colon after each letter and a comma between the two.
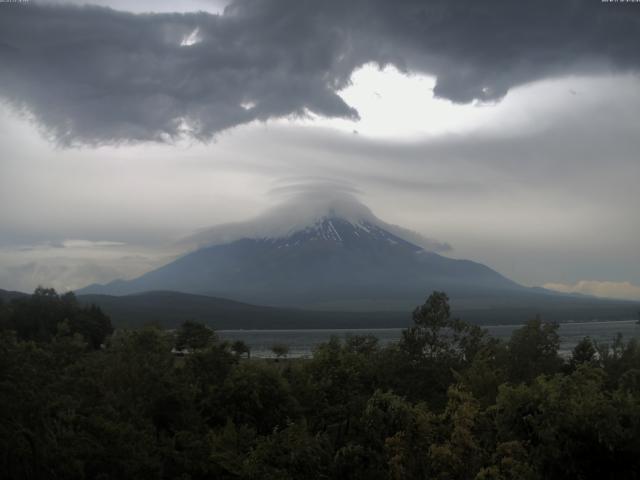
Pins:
x: 194, y: 336
x: 280, y: 350
x: 41, y: 316
x: 572, y: 425
x: 533, y: 350
x: 444, y: 403
x: 584, y: 352
x: 433, y: 349
x: 435, y: 335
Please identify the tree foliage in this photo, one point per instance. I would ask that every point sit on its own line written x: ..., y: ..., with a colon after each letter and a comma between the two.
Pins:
x: 240, y: 348
x: 280, y: 350
x: 194, y: 336
x: 39, y: 317
x: 533, y: 351
x: 446, y: 402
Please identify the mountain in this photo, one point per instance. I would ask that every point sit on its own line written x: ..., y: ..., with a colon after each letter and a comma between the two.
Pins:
x: 8, y: 295
x: 333, y: 253
x: 170, y: 309
x: 332, y: 263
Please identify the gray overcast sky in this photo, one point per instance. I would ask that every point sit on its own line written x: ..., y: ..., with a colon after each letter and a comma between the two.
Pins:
x: 509, y: 133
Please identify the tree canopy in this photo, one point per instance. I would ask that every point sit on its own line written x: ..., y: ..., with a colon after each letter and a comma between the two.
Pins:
x: 445, y: 402
x: 45, y: 314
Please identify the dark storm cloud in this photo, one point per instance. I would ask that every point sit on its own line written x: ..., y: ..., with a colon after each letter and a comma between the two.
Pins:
x: 94, y: 75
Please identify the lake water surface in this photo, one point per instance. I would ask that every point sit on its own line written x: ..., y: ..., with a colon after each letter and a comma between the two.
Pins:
x: 302, y: 342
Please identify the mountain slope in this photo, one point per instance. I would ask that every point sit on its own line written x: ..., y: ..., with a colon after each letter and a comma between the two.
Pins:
x: 8, y: 295
x: 332, y: 263
x: 170, y: 309
x: 328, y: 251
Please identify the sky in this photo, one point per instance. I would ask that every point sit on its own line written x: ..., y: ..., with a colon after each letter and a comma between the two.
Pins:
x: 505, y: 131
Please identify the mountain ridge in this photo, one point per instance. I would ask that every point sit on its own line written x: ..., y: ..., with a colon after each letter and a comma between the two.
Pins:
x: 331, y: 253
x: 169, y: 309
x: 333, y: 259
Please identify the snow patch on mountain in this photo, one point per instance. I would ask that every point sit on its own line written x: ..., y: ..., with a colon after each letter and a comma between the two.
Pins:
x: 311, y: 211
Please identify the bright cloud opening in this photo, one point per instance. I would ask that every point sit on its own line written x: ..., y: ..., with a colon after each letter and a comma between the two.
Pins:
x: 191, y: 39
x: 393, y: 104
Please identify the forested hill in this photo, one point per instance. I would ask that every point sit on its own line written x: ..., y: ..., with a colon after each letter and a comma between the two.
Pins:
x: 169, y: 309
x: 8, y: 295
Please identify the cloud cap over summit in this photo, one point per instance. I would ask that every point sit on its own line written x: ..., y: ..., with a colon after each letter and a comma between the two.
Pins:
x: 304, y: 206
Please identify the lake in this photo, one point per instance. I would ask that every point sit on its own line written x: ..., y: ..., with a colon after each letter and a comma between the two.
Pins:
x: 302, y: 342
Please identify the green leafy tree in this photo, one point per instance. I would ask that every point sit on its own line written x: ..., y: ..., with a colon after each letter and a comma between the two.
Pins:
x: 435, y: 347
x: 336, y: 384
x: 93, y: 324
x: 388, y: 446
x: 618, y: 358
x: 572, y: 426
x: 459, y: 453
x: 437, y: 336
x: 207, y: 371
x: 289, y: 454
x: 584, y: 352
x: 230, y: 447
x: 258, y: 396
x: 280, y: 350
x: 444, y: 403
x: 533, y: 350
x: 487, y: 372
x: 240, y: 348
x: 194, y: 336
x: 362, y: 344
x: 38, y: 317
x: 509, y: 462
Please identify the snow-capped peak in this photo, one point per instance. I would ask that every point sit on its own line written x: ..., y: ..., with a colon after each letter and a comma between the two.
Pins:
x: 309, y: 211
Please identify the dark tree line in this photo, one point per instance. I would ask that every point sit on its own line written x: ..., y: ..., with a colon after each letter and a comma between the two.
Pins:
x: 43, y: 315
x: 446, y: 402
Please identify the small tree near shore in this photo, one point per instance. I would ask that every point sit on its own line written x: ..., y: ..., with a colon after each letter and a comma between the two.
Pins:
x: 280, y: 350
x: 240, y: 348
x: 194, y: 336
